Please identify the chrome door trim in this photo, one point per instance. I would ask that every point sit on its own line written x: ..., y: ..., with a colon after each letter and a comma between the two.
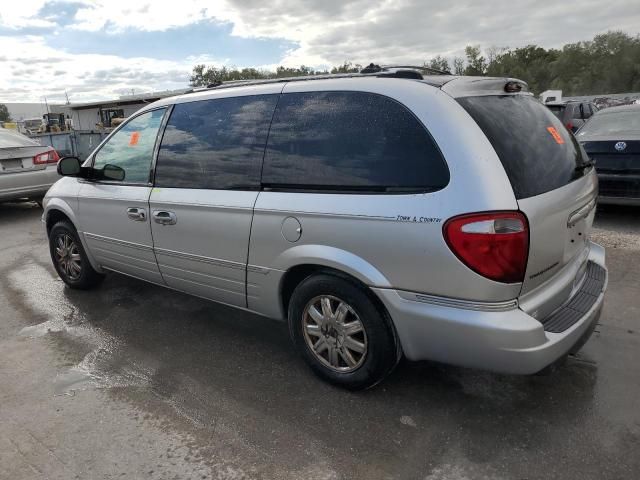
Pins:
x: 258, y: 269
x: 199, y: 258
x: 115, y: 241
x: 327, y: 214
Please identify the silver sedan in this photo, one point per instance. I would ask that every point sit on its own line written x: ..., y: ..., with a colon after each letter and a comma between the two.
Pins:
x: 27, y: 169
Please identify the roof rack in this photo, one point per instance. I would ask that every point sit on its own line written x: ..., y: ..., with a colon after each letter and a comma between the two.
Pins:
x: 372, y: 70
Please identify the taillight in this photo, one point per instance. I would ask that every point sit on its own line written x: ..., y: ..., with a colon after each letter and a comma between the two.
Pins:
x: 570, y: 126
x: 494, y: 244
x: 50, y: 156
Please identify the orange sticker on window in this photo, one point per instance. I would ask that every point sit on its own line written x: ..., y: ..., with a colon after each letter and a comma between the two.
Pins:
x: 556, y: 136
x: 135, y: 136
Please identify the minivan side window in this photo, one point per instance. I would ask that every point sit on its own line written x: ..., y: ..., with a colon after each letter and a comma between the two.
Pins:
x: 215, y: 144
x: 353, y: 141
x: 131, y: 147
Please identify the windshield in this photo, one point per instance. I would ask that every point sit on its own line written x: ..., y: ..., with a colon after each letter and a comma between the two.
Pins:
x: 612, y: 123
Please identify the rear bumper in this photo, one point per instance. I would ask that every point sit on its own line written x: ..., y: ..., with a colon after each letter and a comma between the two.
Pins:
x: 619, y: 189
x: 606, y: 200
x: 502, y: 340
x: 27, y: 184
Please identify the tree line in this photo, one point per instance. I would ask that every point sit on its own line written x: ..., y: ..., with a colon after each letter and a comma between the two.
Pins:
x: 610, y: 63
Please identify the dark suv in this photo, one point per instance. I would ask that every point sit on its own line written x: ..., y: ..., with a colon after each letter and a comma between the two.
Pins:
x: 573, y: 114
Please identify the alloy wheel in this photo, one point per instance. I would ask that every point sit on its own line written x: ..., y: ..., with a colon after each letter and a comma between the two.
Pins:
x: 67, y: 256
x: 334, y: 333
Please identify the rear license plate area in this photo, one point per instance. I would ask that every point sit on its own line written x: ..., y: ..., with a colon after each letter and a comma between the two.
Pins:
x: 13, y: 164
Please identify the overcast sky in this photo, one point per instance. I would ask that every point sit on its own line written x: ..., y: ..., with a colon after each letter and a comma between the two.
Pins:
x: 106, y: 48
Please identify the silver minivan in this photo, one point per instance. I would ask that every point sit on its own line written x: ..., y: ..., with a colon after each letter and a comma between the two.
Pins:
x: 437, y: 217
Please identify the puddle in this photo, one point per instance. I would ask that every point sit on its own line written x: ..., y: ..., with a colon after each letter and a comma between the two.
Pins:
x: 41, y: 329
x: 99, y: 369
x: 104, y: 366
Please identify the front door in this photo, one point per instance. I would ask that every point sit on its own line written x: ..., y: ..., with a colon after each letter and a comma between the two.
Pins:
x: 207, y: 179
x: 114, y: 212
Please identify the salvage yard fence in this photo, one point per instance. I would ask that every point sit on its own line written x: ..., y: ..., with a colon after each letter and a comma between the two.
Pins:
x: 77, y: 143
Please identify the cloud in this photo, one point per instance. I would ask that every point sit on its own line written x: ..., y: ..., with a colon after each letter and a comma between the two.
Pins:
x: 414, y: 30
x: 316, y: 33
x: 32, y: 69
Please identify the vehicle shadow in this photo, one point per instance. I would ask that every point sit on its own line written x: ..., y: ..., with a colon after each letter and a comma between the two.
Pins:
x: 12, y: 211
x: 618, y: 218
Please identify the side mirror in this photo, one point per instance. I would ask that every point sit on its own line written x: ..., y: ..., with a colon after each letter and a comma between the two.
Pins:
x: 69, y: 166
x: 112, y: 172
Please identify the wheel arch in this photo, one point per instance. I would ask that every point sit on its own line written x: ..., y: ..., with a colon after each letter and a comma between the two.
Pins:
x: 57, y: 211
x: 299, y: 262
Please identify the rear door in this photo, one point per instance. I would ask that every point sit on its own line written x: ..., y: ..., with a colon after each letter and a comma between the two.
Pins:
x: 206, y: 184
x: 550, y: 178
x: 114, y: 215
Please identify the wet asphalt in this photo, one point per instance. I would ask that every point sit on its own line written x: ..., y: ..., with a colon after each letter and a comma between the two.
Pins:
x: 135, y: 381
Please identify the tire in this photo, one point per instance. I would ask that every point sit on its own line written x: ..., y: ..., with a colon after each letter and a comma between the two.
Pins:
x: 339, y: 356
x: 63, y: 236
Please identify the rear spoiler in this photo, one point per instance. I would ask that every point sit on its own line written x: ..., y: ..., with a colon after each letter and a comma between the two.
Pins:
x: 481, y: 86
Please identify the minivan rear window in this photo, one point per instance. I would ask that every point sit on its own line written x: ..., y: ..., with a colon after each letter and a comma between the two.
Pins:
x: 538, y: 153
x: 350, y: 141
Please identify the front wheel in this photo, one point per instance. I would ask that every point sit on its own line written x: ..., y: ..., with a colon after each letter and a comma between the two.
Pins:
x: 344, y: 336
x: 69, y: 258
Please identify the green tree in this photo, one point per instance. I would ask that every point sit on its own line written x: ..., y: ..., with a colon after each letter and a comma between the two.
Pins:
x: 458, y: 66
x: 5, y: 116
x: 439, y: 63
x: 476, y: 63
x: 347, y: 67
x: 610, y: 63
x: 201, y: 76
x: 531, y: 63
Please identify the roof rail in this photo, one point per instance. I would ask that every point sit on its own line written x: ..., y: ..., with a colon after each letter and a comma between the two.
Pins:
x: 372, y: 70
x: 423, y: 68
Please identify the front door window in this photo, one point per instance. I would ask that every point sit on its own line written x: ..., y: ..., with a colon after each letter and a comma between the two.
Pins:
x: 131, y: 147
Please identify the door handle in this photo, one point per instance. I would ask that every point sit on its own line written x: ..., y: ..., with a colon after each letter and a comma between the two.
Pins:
x: 137, y: 214
x: 164, y: 218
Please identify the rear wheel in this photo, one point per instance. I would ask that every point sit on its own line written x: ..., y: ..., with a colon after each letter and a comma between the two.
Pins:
x: 69, y: 258
x: 344, y: 336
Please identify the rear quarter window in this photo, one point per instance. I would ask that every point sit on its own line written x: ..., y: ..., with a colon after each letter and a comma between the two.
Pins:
x: 537, y: 152
x: 350, y: 141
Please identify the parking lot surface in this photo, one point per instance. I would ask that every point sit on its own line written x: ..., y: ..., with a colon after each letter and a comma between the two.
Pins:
x: 135, y: 381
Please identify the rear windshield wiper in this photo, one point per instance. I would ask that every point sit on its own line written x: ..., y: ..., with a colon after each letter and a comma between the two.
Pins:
x: 585, y: 165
